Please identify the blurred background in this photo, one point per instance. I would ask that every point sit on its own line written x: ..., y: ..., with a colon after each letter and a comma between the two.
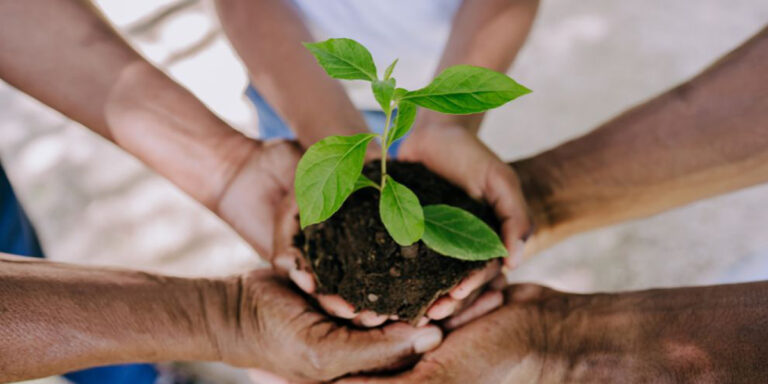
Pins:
x: 586, y: 60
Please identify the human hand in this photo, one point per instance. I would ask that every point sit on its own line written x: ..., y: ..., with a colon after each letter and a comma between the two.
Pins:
x: 516, y: 343
x: 692, y: 335
x: 456, y: 154
x: 481, y: 174
x: 276, y: 330
x: 251, y: 201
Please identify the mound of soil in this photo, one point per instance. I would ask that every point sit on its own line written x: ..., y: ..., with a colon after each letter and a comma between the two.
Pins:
x: 352, y: 255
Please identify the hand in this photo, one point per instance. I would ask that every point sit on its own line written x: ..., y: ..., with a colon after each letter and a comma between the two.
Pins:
x: 515, y: 344
x: 482, y: 174
x: 251, y: 201
x: 277, y: 331
x: 455, y: 153
x: 691, y: 335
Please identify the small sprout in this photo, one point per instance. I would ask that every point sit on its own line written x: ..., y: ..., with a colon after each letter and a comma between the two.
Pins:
x: 331, y: 169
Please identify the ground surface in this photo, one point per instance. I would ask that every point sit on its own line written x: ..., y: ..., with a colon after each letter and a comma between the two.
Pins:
x: 586, y: 60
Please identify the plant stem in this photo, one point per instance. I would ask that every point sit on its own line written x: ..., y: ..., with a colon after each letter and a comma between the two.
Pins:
x: 384, y: 146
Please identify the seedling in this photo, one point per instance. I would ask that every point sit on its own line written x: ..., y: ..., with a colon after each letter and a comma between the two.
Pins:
x: 330, y: 170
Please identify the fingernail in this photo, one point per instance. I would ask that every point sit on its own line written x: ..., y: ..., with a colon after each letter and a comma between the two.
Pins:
x: 461, y: 292
x: 441, y: 311
x: 304, y: 280
x: 372, y: 319
x: 424, y: 321
x: 337, y: 306
x: 428, y: 340
x: 285, y: 263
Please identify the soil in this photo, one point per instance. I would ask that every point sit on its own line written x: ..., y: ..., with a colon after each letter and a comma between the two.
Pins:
x: 351, y: 254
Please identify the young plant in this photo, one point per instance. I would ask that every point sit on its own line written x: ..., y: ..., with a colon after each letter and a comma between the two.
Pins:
x: 331, y: 169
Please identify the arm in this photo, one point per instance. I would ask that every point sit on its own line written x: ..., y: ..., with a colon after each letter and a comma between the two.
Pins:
x: 684, y: 335
x: 267, y: 34
x: 64, y: 54
x: 706, y: 137
x: 485, y: 33
x: 57, y: 318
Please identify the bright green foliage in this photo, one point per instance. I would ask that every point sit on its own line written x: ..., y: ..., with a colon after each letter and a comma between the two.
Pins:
x: 326, y: 175
x: 344, y: 59
x: 330, y: 170
x: 406, y: 113
x: 467, y: 89
x: 382, y: 91
x: 454, y: 232
x: 364, y: 182
x: 388, y: 71
x: 401, y: 213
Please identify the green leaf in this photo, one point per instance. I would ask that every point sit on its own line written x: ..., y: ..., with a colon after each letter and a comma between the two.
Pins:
x: 364, y: 182
x: 465, y: 89
x: 399, y: 93
x: 326, y: 175
x: 344, y: 59
x: 388, y: 71
x: 457, y: 233
x: 401, y: 213
x: 382, y: 91
x: 406, y: 113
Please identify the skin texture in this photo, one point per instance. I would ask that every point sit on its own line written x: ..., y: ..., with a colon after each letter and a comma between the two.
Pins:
x: 706, y: 137
x: 59, y: 318
x: 71, y: 60
x: 485, y: 33
x: 686, y: 335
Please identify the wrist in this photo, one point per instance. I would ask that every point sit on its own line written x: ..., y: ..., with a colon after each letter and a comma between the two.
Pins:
x: 168, y: 129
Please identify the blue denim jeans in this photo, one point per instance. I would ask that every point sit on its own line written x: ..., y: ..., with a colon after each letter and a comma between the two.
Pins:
x: 271, y: 126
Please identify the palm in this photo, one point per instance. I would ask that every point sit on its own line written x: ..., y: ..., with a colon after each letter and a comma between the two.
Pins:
x: 253, y: 198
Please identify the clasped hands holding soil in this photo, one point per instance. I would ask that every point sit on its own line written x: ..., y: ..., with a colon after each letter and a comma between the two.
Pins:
x: 390, y: 239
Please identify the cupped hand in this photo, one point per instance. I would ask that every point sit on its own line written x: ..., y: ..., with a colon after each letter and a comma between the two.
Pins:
x: 250, y: 202
x: 517, y: 343
x: 456, y: 154
x: 277, y: 330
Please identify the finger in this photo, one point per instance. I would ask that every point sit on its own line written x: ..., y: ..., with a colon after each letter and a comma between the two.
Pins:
x: 286, y: 224
x: 506, y: 197
x: 259, y: 376
x: 423, y: 322
x: 371, y: 319
x: 368, y: 350
x: 516, y: 254
x: 475, y: 280
x: 286, y: 261
x: 336, y: 306
x: 442, y: 308
x: 303, y: 280
x: 487, y: 302
x: 499, y: 283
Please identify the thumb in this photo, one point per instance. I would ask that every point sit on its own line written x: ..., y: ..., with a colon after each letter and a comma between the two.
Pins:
x: 376, y: 349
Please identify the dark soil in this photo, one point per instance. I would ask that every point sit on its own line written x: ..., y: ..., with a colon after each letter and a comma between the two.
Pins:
x: 352, y: 255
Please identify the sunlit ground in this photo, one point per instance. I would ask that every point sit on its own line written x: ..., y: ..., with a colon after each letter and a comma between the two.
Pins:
x: 585, y: 61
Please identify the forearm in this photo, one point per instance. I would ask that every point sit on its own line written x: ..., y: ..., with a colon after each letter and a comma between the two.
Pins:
x: 485, y: 33
x: 703, y: 334
x: 57, y: 318
x: 71, y: 59
x: 706, y: 137
x: 267, y: 34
